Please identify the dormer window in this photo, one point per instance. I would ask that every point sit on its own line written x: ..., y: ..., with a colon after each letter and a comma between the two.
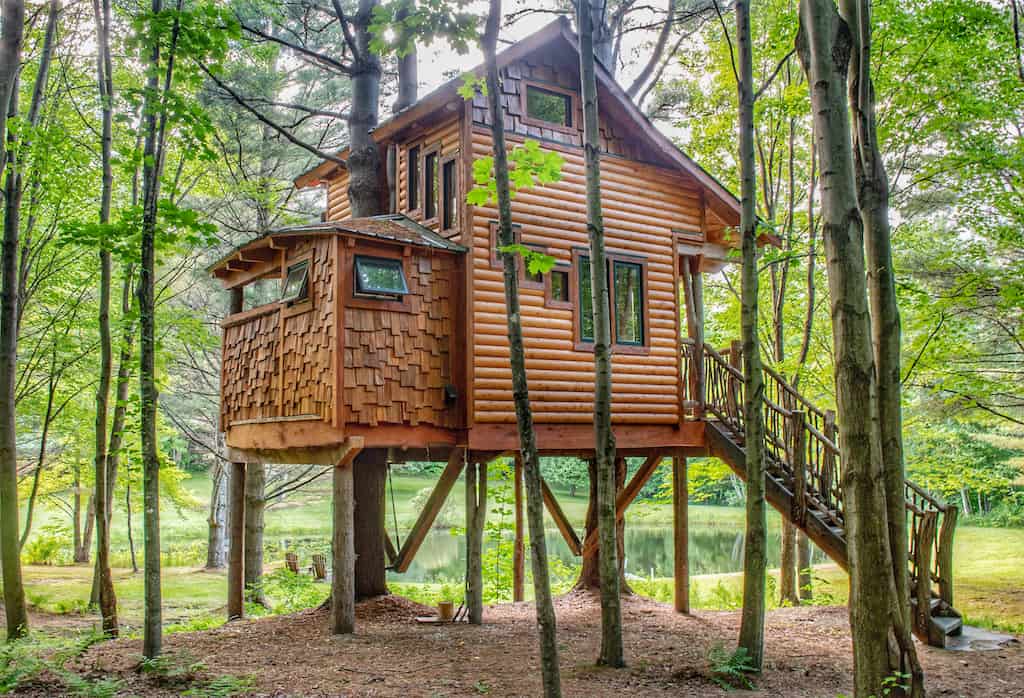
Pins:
x: 549, y: 106
x: 296, y: 283
x: 380, y: 277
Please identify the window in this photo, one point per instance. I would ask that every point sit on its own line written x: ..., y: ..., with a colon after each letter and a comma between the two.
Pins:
x: 549, y: 105
x: 296, y: 283
x: 556, y: 293
x: 380, y: 277
x: 449, y: 195
x: 430, y: 186
x: 261, y: 291
x: 626, y: 285
x: 627, y: 280
x: 412, y: 165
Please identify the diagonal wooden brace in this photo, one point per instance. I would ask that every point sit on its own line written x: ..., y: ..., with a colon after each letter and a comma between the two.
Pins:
x: 430, y: 511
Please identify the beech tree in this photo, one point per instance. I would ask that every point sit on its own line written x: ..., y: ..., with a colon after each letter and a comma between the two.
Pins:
x: 755, y: 559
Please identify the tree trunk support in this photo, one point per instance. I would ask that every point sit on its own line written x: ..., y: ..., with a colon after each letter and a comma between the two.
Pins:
x: 369, y: 475
x: 625, y: 498
x: 681, y: 533
x: 236, y: 549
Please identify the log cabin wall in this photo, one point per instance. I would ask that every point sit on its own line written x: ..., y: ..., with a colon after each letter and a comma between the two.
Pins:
x: 338, y: 208
x: 278, y: 360
x: 445, y: 139
x: 398, y: 358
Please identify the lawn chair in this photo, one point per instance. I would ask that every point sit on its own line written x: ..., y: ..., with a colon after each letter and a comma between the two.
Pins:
x: 291, y: 561
x: 320, y: 567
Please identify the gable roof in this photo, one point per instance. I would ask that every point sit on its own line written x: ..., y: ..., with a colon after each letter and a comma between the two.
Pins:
x: 722, y: 201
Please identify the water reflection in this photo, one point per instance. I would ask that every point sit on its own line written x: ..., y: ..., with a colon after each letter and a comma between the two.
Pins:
x: 714, y: 548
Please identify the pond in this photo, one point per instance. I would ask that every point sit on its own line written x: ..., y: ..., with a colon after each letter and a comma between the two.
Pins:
x: 714, y: 548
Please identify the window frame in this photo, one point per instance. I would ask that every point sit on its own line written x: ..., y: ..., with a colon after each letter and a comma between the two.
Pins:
x: 303, y: 293
x: 497, y: 263
x: 581, y: 344
x: 350, y: 298
x: 410, y: 169
x: 425, y: 153
x: 442, y: 200
x: 378, y: 295
x: 549, y: 296
x: 573, y: 99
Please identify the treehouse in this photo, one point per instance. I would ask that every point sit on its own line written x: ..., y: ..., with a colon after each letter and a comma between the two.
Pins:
x: 358, y: 342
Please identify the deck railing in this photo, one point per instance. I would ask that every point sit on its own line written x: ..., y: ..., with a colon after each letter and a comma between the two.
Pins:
x: 802, y: 444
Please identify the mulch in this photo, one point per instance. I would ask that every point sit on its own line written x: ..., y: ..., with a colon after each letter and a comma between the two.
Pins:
x: 807, y: 650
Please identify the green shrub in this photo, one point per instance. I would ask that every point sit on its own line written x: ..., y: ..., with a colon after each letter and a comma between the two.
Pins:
x: 288, y: 592
x: 48, y: 547
x: 730, y: 669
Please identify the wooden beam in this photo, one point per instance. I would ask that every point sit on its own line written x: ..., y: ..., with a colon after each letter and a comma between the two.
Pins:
x: 626, y: 497
x: 430, y: 510
x: 236, y: 549
x: 343, y: 551
x: 680, y: 530
x: 561, y: 520
x: 389, y: 550
x: 518, y: 552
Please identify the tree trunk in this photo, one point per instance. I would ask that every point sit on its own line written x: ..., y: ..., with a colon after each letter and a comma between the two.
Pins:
x: 873, y: 201
x: 89, y: 525
x: 590, y: 566
x: 43, y: 440
x: 545, y: 610
x: 14, y: 592
x: 476, y: 514
x: 255, y: 505
x: 788, y: 593
x: 824, y: 45
x: 368, y: 483
x: 803, y: 546
x: 612, y: 653
x: 216, y: 552
x: 364, y: 166
x: 103, y: 489
x: 754, y: 550
x: 128, y: 521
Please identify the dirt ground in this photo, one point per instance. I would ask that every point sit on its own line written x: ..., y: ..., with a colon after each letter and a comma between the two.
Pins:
x: 808, y: 654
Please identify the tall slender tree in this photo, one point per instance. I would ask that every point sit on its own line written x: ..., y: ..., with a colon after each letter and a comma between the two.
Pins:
x: 105, y: 84
x: 754, y: 553
x: 612, y: 653
x: 545, y: 609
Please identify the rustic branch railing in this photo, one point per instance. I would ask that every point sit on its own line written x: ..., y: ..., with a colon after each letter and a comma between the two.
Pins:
x: 802, y: 444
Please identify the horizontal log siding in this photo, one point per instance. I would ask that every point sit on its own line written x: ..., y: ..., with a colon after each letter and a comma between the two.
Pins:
x: 642, y: 204
x: 448, y: 134
x: 338, y: 208
x: 397, y: 363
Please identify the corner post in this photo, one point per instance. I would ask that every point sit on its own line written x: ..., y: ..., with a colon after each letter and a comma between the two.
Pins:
x: 681, y: 527
x: 236, y: 549
x: 518, y: 552
x: 343, y: 552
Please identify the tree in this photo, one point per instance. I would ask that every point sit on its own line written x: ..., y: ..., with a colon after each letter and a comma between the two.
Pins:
x: 105, y: 82
x: 824, y: 45
x: 497, y: 186
x: 604, y: 439
x: 754, y: 556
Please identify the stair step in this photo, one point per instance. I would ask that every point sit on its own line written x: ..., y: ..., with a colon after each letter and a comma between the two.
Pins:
x: 950, y: 625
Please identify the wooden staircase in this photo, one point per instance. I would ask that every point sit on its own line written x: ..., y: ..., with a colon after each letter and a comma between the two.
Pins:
x: 803, y: 479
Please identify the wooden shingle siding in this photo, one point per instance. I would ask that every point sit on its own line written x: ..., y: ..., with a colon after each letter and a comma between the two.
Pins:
x: 249, y: 374
x: 642, y: 205
x: 397, y: 363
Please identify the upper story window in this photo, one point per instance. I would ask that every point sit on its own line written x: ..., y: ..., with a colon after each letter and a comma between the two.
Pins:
x: 449, y: 195
x: 412, y: 164
x: 549, y: 106
x: 626, y: 279
x: 430, y: 186
x: 296, y: 283
x: 380, y: 277
x: 266, y: 289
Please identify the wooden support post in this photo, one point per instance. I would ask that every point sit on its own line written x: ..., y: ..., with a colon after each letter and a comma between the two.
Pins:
x: 695, y: 327
x: 430, y: 510
x: 923, y: 584
x: 368, y: 479
x: 236, y: 549
x: 828, y: 468
x: 476, y: 513
x: 518, y: 552
x: 735, y: 403
x: 625, y: 498
x: 798, y: 462
x: 681, y: 532
x: 945, y: 555
x: 343, y: 552
x: 561, y: 520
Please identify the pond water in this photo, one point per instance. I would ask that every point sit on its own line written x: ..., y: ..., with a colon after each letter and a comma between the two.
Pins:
x: 714, y: 548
